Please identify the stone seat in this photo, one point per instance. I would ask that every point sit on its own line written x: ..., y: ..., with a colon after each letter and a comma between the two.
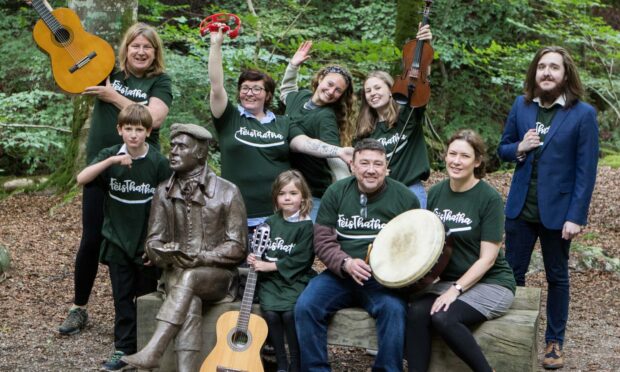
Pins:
x: 509, y: 342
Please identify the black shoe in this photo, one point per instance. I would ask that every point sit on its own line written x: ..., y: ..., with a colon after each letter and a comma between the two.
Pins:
x: 75, y: 322
x: 115, y: 363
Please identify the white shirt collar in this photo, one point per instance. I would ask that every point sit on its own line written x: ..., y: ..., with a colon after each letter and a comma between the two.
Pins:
x: 268, y: 118
x: 123, y: 151
x: 561, y: 100
x: 296, y: 217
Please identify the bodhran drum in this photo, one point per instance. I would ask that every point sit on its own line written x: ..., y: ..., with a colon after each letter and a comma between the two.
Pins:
x: 409, y: 252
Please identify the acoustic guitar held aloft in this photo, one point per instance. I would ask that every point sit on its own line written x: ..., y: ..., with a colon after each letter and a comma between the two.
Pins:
x: 413, y: 85
x: 79, y: 59
x: 240, y: 334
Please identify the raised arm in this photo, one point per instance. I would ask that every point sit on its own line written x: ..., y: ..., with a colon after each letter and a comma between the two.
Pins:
x: 319, y: 149
x: 289, y: 81
x: 218, y: 98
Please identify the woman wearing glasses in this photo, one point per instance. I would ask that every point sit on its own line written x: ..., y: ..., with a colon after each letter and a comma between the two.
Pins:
x: 322, y: 113
x: 255, y: 143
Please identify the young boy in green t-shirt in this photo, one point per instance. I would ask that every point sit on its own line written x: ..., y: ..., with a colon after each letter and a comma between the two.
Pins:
x: 129, y: 174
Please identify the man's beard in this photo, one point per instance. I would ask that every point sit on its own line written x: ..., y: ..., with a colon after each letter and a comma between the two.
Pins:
x: 547, y: 97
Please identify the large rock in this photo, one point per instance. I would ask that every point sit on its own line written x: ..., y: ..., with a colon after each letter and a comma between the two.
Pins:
x: 509, y: 342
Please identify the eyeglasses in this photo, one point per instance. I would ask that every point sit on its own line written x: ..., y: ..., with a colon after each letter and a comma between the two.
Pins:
x: 255, y: 90
x: 364, y: 203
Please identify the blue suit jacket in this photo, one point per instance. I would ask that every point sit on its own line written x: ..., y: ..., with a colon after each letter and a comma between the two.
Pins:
x: 566, y: 167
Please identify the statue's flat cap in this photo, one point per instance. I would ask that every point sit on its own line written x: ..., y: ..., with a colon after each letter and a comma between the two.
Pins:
x: 192, y: 130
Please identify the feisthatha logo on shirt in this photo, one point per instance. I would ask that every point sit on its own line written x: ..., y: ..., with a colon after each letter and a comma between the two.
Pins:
x: 358, y: 223
x: 278, y: 245
x: 392, y: 141
x: 126, y: 92
x: 129, y: 187
x: 256, y: 138
x: 448, y: 215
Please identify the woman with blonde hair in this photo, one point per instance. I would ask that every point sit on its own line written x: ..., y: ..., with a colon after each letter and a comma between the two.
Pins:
x: 140, y: 78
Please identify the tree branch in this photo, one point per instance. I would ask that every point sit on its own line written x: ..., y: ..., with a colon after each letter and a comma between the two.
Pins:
x: 35, y: 126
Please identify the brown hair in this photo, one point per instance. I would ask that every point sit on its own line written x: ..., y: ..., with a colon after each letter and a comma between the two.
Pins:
x: 368, y: 144
x: 142, y: 29
x: 256, y: 75
x: 573, y: 89
x: 135, y: 114
x: 368, y: 116
x: 477, y: 143
x: 344, y: 106
x: 300, y: 183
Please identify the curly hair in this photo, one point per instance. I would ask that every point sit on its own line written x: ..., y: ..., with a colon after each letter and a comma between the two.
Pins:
x: 343, y: 107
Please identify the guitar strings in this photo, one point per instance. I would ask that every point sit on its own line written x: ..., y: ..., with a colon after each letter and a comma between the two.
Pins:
x: 50, y: 20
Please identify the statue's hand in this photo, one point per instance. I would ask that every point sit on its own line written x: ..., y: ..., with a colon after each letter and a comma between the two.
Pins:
x: 186, y: 263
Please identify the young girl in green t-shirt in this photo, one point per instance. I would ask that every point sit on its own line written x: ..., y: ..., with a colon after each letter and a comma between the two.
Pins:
x: 286, y: 266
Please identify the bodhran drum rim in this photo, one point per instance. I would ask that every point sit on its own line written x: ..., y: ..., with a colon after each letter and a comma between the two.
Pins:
x: 417, y: 226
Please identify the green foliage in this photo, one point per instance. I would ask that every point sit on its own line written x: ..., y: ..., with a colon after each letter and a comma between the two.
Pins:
x: 482, y: 50
x: 27, y: 150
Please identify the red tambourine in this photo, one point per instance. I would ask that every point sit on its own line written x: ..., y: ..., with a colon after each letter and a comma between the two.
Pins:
x: 213, y: 23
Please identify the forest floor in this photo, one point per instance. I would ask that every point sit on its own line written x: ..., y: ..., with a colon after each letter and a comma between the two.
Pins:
x: 42, y: 234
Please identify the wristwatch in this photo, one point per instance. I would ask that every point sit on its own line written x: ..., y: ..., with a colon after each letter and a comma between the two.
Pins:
x: 458, y: 287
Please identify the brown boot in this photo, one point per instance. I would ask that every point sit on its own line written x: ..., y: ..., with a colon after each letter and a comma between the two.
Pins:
x: 148, y: 357
x: 553, y: 356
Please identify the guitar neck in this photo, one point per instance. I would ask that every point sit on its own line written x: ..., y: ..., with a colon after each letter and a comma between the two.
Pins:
x: 246, y: 302
x: 46, y: 15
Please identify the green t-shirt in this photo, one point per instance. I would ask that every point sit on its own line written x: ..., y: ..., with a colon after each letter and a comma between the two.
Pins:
x: 127, y: 203
x: 253, y: 155
x: 319, y: 123
x: 340, y: 208
x: 409, y: 164
x: 292, y: 251
x: 530, y: 211
x: 482, y: 209
x: 102, y: 132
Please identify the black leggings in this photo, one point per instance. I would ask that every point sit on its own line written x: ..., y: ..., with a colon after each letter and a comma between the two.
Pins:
x: 87, y: 257
x: 451, y: 326
x: 281, y: 322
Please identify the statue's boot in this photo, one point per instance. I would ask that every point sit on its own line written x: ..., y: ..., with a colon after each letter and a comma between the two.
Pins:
x: 148, y: 357
x: 171, y: 316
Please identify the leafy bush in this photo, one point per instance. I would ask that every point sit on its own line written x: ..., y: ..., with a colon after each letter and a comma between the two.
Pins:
x: 30, y: 149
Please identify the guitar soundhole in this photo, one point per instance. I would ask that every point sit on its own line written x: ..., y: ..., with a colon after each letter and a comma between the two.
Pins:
x: 240, y: 340
x: 62, y: 36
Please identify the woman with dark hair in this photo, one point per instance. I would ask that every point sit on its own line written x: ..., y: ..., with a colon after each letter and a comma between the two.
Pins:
x: 255, y: 143
x: 140, y: 78
x: 324, y: 112
x: 477, y: 284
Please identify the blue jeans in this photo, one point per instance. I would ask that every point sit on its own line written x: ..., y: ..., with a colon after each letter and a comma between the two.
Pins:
x: 316, y: 203
x: 418, y: 190
x: 328, y: 293
x: 520, y: 239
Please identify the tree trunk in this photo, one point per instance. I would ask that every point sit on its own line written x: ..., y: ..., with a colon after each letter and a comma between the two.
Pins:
x: 408, y: 16
x: 107, y: 19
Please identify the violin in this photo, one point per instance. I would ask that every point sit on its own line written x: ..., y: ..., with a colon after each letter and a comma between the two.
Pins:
x: 413, y: 85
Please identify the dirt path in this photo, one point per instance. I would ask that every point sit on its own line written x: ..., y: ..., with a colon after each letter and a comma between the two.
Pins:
x: 42, y: 236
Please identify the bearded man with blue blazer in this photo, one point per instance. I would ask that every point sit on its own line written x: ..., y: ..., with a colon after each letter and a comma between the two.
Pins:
x: 553, y: 137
